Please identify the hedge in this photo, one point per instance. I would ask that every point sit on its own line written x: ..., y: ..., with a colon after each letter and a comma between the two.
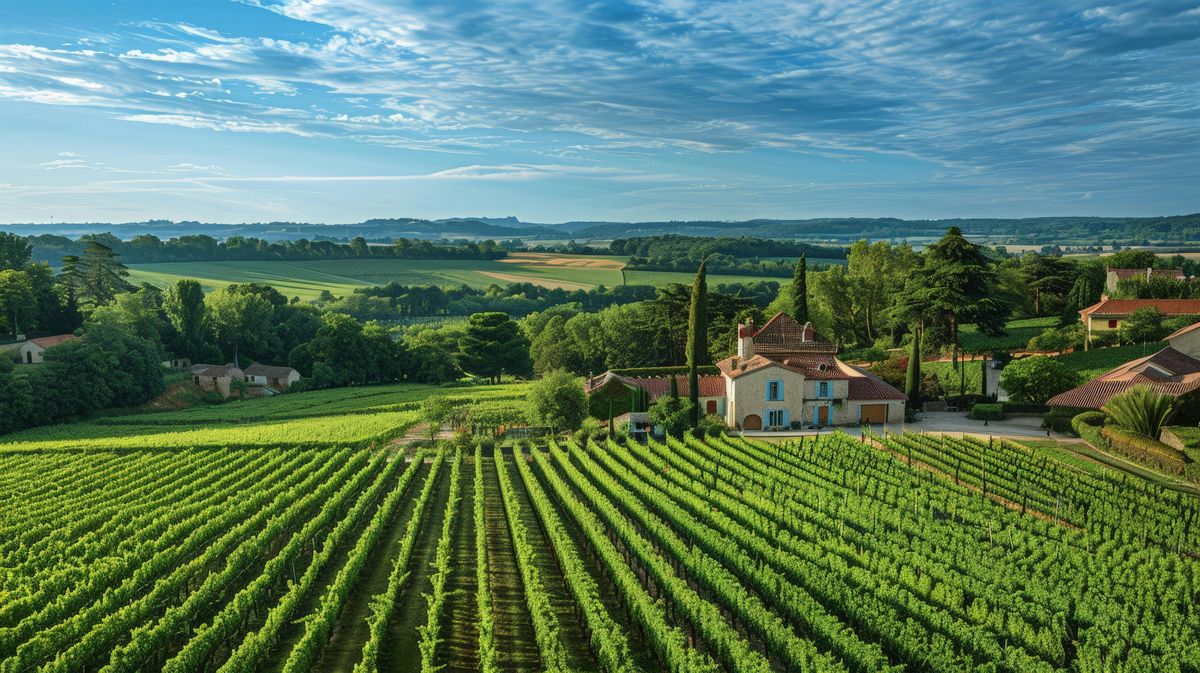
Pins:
x: 987, y: 412
x: 1088, y: 425
x: 1144, y: 449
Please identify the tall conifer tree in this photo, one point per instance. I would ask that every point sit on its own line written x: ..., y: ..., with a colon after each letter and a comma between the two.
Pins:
x: 800, y: 291
x: 697, y: 347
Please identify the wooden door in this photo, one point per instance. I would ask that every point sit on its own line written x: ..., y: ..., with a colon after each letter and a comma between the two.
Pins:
x: 752, y: 422
x: 873, y: 413
x: 822, y: 415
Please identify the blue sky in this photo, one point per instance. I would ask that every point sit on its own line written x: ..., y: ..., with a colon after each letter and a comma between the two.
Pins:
x: 341, y: 110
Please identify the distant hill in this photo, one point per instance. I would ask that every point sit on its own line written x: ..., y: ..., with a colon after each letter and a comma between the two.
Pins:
x: 1033, y: 230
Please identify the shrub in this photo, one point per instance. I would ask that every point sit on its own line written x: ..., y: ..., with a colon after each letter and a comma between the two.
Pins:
x: 1141, y: 409
x: 1060, y: 420
x: 1144, y: 325
x: 1036, y: 379
x: 1087, y: 425
x: 871, y: 354
x: 1144, y: 450
x: 557, y: 401
x: 1105, y: 338
x: 710, y: 425
x: 672, y: 414
x: 1061, y: 339
x: 987, y: 412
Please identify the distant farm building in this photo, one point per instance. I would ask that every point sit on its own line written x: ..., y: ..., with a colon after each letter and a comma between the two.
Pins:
x: 217, y: 378
x: 1115, y: 276
x: 277, y: 379
x: 31, y: 352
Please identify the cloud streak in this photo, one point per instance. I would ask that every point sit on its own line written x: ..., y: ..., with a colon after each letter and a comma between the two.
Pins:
x: 1087, y: 98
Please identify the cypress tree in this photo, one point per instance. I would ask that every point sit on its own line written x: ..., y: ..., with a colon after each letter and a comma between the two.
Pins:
x: 800, y: 291
x: 912, y: 378
x: 697, y: 346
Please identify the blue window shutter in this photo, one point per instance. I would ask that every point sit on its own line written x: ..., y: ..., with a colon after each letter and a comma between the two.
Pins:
x: 785, y: 419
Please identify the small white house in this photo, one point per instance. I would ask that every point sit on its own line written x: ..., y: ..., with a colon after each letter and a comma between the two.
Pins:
x: 275, y: 378
x: 31, y: 352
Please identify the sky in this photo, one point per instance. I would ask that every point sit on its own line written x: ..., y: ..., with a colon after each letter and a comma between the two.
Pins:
x: 552, y: 110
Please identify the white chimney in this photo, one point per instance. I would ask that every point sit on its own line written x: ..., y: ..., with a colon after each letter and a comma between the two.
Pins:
x: 745, y: 344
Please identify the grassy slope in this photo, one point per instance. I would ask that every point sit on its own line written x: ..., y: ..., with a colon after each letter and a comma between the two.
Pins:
x: 1093, y: 363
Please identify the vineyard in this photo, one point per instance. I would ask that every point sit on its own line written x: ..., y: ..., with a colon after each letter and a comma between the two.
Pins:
x: 893, y: 553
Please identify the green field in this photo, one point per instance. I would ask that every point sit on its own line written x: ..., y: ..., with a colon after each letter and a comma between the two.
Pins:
x: 319, y: 418
x: 1093, y: 363
x: 306, y: 279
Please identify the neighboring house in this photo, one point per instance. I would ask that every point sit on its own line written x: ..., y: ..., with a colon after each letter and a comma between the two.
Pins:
x: 31, y: 352
x: 636, y: 423
x: 217, y: 378
x: 783, y: 376
x: 178, y: 364
x: 1115, y: 276
x: 1174, y: 370
x: 275, y: 378
x: 1108, y: 314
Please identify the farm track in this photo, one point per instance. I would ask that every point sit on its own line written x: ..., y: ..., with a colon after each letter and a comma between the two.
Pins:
x: 400, y: 645
x: 515, y: 646
x: 459, y: 652
x: 574, y: 639
x: 345, y: 644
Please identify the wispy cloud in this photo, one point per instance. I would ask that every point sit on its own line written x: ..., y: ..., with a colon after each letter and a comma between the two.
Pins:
x: 1084, y: 97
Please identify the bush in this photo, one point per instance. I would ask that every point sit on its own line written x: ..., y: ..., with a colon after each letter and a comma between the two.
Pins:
x: 987, y: 412
x: 1144, y: 450
x: 1036, y: 379
x: 871, y: 354
x: 1088, y: 425
x: 710, y: 425
x: 1144, y: 325
x: 1060, y: 420
x: 1061, y: 339
x: 557, y: 401
x: 1142, y: 409
x: 1105, y: 338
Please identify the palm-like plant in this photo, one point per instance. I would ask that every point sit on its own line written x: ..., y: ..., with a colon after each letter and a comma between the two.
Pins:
x: 1141, y: 409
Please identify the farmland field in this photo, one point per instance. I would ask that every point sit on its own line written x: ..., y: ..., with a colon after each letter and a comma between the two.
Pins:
x: 900, y: 552
x: 306, y: 279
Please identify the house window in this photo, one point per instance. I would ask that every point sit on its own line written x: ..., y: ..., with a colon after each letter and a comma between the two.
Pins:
x: 774, y: 418
x: 774, y: 391
x: 822, y: 389
x: 1112, y: 324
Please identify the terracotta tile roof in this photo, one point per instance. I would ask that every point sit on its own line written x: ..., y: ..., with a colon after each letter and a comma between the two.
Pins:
x: 51, y: 341
x: 711, y: 385
x: 269, y: 371
x: 817, y: 366
x: 1167, y: 371
x: 781, y: 334
x: 871, y: 387
x: 735, y: 366
x: 215, y: 370
x: 1123, y: 307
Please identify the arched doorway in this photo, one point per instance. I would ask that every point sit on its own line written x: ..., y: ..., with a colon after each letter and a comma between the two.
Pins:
x: 752, y: 422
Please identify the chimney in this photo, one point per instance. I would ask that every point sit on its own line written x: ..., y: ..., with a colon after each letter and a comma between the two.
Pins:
x: 745, y: 344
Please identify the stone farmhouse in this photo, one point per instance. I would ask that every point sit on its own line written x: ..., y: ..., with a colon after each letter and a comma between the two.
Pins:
x: 277, y: 379
x: 784, y: 376
x: 217, y: 378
